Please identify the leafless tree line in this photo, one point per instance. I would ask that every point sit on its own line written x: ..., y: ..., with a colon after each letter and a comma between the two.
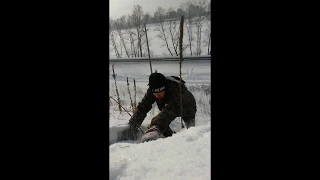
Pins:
x: 128, y: 37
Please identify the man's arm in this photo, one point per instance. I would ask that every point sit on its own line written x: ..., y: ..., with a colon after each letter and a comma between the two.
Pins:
x: 166, y: 116
x: 144, y: 106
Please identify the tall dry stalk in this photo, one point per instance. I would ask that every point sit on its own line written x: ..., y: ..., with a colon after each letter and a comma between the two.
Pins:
x: 130, y: 94
x: 145, y: 30
x: 115, y: 82
x: 181, y: 59
x: 135, y: 93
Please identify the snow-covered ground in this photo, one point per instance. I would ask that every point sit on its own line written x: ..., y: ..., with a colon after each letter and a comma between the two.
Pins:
x: 185, y: 155
x: 194, y: 72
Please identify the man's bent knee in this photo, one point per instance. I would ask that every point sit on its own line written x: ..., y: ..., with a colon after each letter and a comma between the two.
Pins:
x: 190, y: 123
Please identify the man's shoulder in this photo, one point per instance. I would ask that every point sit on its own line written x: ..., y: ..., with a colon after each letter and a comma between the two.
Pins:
x: 175, y: 79
x: 173, y: 88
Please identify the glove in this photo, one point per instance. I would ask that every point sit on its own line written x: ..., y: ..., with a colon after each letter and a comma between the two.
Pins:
x: 134, y: 123
x: 152, y: 133
x: 129, y: 134
x: 136, y: 119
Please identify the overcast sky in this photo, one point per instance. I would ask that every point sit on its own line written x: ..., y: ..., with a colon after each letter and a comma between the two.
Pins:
x: 119, y: 8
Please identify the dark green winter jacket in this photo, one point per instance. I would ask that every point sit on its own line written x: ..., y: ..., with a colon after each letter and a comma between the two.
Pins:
x: 169, y: 105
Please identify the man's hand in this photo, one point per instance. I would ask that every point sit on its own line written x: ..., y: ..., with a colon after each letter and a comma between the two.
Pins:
x: 134, y: 123
x: 136, y: 119
x: 129, y: 134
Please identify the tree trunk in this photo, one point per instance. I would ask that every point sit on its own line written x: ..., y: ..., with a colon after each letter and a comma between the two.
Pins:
x: 140, y: 45
x: 189, y: 36
x: 124, y: 45
x: 165, y: 39
x: 114, y: 45
x: 172, y: 38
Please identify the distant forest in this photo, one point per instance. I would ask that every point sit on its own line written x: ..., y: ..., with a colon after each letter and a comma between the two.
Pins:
x: 191, y: 9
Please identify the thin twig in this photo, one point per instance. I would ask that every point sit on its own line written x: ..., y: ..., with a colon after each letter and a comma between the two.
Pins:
x: 135, y: 93
x: 126, y: 111
x: 121, y: 106
x: 129, y: 93
x: 115, y: 82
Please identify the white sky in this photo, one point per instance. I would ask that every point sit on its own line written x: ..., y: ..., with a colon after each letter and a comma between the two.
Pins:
x: 119, y: 8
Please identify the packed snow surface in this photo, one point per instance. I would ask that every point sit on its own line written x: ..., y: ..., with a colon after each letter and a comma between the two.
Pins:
x: 185, y: 155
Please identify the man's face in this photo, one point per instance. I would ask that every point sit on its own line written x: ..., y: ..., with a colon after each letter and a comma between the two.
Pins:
x: 159, y: 95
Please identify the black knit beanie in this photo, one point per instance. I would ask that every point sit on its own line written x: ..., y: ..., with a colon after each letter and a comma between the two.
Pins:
x: 157, y: 82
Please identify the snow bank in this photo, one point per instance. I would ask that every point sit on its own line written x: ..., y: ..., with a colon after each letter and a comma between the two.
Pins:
x: 185, y: 155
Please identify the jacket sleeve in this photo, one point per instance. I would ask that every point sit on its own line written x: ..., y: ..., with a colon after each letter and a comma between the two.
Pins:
x: 144, y: 106
x: 167, y: 114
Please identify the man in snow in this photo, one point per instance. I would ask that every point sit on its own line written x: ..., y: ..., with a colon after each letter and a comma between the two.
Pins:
x: 165, y: 91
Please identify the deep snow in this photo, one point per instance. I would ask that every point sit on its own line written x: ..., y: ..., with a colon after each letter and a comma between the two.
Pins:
x: 185, y: 155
